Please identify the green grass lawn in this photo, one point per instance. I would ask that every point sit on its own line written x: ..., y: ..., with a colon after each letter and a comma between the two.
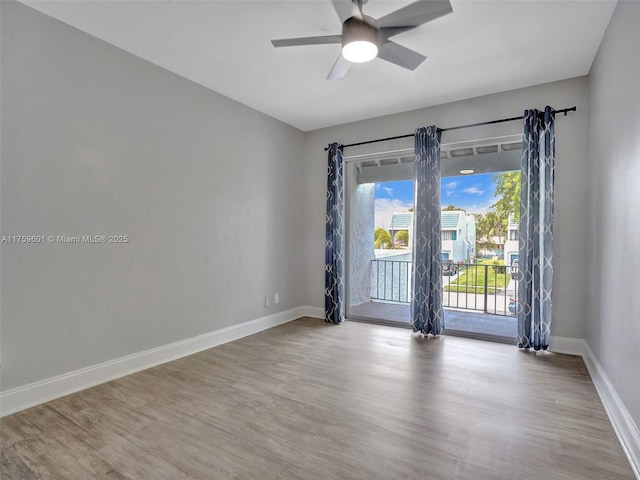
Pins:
x: 472, y: 279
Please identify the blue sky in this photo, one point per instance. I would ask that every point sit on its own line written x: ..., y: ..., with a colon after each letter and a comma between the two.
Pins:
x: 474, y: 193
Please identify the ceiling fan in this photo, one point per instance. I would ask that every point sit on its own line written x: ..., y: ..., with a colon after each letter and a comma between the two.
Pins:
x: 364, y: 38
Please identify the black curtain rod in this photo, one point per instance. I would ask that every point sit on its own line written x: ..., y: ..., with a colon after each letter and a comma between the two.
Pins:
x: 491, y: 122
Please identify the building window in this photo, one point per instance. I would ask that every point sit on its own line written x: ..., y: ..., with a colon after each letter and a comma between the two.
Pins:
x: 513, y: 234
x: 449, y: 235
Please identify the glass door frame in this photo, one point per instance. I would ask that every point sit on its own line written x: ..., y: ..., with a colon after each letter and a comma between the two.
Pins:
x: 350, y: 165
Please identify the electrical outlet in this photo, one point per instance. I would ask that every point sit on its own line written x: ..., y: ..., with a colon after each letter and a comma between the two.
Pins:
x: 266, y: 301
x: 276, y: 298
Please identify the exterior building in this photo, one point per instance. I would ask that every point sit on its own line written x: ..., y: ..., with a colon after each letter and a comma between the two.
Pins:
x: 493, y: 249
x: 401, y: 221
x: 458, y: 235
x: 511, y: 243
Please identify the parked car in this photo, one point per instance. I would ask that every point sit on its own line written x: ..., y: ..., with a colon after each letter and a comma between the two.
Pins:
x: 514, y: 269
x: 449, y: 267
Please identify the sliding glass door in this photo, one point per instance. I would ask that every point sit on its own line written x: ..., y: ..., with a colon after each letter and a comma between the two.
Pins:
x: 379, y: 202
x: 479, y: 236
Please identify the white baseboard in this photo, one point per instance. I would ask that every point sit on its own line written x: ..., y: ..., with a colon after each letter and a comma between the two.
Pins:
x: 624, y: 426
x: 314, y: 312
x: 35, y: 393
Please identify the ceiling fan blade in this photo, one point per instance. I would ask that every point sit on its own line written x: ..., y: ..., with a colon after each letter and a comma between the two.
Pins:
x: 339, y: 69
x: 388, y: 32
x: 401, y: 56
x: 416, y: 14
x: 294, y: 42
x: 345, y: 9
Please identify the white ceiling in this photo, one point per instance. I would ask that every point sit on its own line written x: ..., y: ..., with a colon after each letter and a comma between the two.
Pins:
x: 483, y: 47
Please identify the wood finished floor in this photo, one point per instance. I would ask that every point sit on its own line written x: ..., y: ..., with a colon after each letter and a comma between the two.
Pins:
x: 309, y: 400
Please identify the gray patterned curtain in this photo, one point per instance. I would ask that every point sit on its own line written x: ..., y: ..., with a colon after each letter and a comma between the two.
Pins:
x: 536, y: 230
x: 333, y: 257
x: 426, y: 282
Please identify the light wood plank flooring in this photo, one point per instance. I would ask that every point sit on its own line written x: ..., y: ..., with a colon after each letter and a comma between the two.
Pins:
x: 308, y: 400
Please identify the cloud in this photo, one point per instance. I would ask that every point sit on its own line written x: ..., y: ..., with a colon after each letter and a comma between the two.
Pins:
x: 384, y: 208
x: 473, y: 191
x: 476, y: 208
x: 450, y: 188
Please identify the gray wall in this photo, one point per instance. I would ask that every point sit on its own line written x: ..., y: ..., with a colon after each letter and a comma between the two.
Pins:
x: 96, y: 141
x: 570, y: 246
x: 613, y: 331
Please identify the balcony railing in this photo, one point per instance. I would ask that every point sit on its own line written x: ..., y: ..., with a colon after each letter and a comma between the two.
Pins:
x: 484, y: 288
x: 391, y: 280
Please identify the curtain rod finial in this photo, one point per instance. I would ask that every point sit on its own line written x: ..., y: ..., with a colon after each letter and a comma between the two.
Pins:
x: 328, y: 147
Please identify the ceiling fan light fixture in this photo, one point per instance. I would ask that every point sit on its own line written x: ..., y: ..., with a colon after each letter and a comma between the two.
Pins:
x: 360, y: 51
x: 359, y: 39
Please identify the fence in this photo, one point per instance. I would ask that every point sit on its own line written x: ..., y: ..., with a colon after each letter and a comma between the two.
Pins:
x: 391, y: 280
x: 468, y: 286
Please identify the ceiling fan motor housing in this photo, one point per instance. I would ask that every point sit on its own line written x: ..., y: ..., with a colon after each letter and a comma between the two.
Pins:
x: 360, y: 29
